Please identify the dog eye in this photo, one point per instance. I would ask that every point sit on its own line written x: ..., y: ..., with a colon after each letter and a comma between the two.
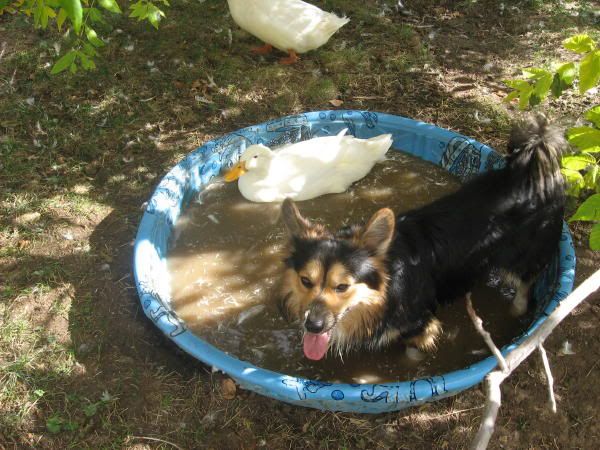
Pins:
x: 341, y: 288
x: 306, y: 282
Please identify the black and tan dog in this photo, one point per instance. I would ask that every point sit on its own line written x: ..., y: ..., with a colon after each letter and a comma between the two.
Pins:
x: 368, y: 286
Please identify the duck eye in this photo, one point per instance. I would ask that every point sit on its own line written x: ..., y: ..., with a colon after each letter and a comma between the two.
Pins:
x: 255, y: 156
x: 340, y: 288
x: 306, y: 282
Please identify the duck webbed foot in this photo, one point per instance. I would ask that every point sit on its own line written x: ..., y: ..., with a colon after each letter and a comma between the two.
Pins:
x: 264, y: 50
x: 290, y: 59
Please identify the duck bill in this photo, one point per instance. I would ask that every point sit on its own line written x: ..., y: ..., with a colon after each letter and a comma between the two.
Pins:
x: 235, y: 172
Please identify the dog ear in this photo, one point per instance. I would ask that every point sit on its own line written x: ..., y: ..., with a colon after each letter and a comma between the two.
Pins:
x: 293, y: 220
x: 379, y: 231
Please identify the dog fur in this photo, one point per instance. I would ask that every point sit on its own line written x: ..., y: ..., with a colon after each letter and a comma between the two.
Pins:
x: 369, y: 286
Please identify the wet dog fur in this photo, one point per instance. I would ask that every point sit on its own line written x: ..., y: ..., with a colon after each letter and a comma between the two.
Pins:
x: 369, y: 286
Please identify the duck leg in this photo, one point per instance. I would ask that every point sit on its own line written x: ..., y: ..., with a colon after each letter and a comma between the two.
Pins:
x: 265, y: 49
x: 290, y: 59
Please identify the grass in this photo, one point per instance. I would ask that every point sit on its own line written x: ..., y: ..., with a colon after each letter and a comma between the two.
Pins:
x: 80, y: 367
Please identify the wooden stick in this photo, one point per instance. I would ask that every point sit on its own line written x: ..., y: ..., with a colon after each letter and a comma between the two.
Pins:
x: 485, y: 334
x: 522, y: 351
x: 549, y: 377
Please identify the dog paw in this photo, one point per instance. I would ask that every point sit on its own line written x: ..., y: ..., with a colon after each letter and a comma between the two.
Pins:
x: 518, y: 307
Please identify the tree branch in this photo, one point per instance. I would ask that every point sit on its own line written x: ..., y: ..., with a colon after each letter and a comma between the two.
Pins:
x: 521, y: 352
x: 485, y: 334
x: 549, y: 377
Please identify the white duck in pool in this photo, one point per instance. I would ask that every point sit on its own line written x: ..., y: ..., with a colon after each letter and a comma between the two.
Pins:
x: 292, y: 26
x: 307, y: 169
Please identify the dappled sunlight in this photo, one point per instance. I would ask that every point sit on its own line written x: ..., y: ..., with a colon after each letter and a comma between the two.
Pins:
x: 80, y: 154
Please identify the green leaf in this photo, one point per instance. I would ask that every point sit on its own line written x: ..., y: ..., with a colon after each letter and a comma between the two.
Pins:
x: 139, y: 10
x: 70, y: 426
x: 154, y: 15
x: 47, y: 12
x: 90, y: 410
x: 584, y: 137
x: 86, y: 62
x: 578, y: 162
x: 94, y: 15
x: 54, y: 424
x: 62, y: 15
x: 588, y: 210
x: 511, y: 96
x: 517, y: 84
x: 65, y: 61
x: 74, y: 11
x: 567, y: 72
x: 93, y: 37
x: 580, y: 43
x: 593, y: 115
x: 111, y: 5
x: 592, y: 150
x: 39, y: 393
x: 524, y: 97
x: 89, y: 50
x: 535, y: 73
x: 591, y: 177
x: 542, y: 86
x: 558, y: 86
x: 595, y: 237
x: 589, y: 71
x: 574, y: 181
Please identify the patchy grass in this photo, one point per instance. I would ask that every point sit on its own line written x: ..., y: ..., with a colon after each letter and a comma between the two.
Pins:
x: 80, y: 367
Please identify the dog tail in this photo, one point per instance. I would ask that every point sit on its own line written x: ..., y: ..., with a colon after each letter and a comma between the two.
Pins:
x: 536, y: 147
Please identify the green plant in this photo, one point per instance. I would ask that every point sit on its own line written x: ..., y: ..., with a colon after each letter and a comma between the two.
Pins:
x: 582, y: 172
x: 539, y: 82
x: 582, y: 169
x: 78, y: 19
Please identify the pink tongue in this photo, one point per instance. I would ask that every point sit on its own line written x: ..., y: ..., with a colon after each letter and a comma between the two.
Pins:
x: 315, y: 345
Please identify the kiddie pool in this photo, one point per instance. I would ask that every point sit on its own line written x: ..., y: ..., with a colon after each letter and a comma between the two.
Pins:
x: 458, y: 154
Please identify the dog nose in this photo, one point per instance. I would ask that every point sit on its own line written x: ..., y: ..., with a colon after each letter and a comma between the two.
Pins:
x: 314, y: 324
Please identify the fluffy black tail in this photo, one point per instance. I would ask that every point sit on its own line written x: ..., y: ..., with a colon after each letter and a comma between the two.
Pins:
x: 536, y: 148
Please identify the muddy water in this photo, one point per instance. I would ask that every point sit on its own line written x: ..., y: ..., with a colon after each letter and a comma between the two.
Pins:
x: 227, y: 257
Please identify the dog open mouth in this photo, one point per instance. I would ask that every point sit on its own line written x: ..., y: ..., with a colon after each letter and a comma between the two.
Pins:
x: 315, y: 345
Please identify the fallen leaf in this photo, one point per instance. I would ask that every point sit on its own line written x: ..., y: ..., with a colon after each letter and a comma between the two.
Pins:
x: 228, y: 389
x: 336, y: 102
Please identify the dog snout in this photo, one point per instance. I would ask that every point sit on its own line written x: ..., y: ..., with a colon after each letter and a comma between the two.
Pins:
x: 319, y: 319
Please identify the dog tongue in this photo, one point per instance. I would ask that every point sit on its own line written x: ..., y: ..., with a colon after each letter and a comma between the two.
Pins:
x: 315, y: 345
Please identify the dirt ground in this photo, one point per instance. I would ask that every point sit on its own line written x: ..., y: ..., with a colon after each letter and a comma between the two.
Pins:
x: 81, y: 366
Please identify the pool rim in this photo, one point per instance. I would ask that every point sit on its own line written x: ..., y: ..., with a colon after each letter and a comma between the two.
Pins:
x: 381, y: 397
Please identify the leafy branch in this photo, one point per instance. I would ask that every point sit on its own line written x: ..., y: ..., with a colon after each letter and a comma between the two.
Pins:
x: 540, y: 82
x: 78, y: 19
x: 581, y: 170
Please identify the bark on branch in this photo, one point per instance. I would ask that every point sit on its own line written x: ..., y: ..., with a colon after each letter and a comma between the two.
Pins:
x: 520, y: 353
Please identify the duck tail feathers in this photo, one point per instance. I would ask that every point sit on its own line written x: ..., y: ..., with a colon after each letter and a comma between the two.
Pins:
x: 380, y: 144
x: 332, y: 24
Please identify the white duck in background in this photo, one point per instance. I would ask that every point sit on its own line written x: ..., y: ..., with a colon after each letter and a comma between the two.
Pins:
x: 292, y: 26
x: 307, y: 169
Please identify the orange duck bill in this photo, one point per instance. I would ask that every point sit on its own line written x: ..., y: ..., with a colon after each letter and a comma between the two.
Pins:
x: 235, y: 172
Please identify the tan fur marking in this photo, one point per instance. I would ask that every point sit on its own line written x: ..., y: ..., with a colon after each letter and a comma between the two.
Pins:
x: 313, y: 271
x: 360, y: 323
x: 427, y: 340
x: 338, y: 274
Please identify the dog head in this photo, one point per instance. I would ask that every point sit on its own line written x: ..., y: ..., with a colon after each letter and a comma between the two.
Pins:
x: 335, y: 284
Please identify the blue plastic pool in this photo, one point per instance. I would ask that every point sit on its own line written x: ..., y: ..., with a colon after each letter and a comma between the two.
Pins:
x: 460, y: 155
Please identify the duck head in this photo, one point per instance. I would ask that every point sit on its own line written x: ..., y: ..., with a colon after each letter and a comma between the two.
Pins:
x: 255, y: 158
